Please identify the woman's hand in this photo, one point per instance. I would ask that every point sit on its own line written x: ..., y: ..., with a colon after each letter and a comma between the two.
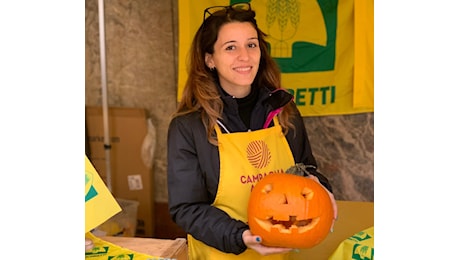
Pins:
x: 254, y: 242
x: 331, y: 196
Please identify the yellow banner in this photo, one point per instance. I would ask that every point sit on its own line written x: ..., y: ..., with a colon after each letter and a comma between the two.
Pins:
x: 104, y: 250
x: 313, y: 43
x: 358, y: 246
x: 100, y: 205
x: 363, y: 92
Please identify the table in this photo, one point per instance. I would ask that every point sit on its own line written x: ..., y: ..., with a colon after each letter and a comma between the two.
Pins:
x: 166, y: 248
x: 353, y: 217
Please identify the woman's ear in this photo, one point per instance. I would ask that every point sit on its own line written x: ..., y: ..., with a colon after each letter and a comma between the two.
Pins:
x: 209, y: 61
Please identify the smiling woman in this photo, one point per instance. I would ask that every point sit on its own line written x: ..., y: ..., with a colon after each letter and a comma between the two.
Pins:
x: 234, y: 120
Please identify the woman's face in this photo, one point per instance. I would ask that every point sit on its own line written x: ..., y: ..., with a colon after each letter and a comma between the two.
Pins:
x: 236, y: 57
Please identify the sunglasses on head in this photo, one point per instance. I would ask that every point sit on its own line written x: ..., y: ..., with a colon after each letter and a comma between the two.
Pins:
x: 236, y: 7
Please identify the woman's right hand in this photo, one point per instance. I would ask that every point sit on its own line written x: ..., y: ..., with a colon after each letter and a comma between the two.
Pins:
x: 255, y: 243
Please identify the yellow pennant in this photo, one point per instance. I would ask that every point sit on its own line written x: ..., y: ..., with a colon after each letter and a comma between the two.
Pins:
x: 100, y: 205
x: 103, y: 250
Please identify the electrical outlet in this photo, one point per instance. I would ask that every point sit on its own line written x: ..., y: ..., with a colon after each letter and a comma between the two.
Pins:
x: 135, y: 182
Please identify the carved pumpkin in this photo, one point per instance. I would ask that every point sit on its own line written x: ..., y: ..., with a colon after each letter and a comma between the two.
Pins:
x: 291, y: 211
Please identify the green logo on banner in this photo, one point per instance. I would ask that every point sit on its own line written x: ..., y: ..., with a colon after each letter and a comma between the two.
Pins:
x: 362, y: 252
x: 90, y: 191
x: 97, y: 251
x: 302, y: 36
x: 121, y: 257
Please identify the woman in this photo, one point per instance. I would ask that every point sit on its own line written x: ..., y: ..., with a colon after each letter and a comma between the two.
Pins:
x: 232, y: 97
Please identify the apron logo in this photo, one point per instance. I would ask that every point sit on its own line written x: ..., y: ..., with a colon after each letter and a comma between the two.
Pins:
x: 258, y: 154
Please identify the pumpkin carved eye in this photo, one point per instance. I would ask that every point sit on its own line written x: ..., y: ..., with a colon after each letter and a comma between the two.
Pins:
x: 307, y: 193
x: 267, y: 188
x: 289, y: 211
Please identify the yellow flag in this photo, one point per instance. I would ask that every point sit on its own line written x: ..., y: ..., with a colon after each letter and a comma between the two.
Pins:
x: 104, y: 250
x: 100, y: 205
x: 313, y: 43
x: 358, y: 246
x: 363, y: 92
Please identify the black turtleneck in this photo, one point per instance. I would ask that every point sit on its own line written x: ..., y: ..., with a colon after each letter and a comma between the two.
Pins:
x: 245, y: 106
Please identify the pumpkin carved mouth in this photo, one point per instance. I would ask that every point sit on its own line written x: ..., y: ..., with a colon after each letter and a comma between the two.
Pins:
x: 291, y: 226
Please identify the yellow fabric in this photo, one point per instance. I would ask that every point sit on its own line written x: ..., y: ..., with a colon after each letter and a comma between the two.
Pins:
x: 244, y: 159
x: 103, y: 250
x: 100, y: 205
x: 360, y: 246
x: 363, y: 92
x: 313, y: 43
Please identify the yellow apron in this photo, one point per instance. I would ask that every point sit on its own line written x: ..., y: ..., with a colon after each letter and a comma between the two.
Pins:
x: 245, y: 158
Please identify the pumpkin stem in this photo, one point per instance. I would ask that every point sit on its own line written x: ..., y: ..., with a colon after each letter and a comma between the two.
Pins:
x: 298, y: 169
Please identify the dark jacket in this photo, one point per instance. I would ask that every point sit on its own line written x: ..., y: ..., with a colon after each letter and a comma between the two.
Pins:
x: 193, y: 169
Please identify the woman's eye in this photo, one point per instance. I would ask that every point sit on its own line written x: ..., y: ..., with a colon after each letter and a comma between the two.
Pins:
x: 252, y: 45
x: 230, y: 48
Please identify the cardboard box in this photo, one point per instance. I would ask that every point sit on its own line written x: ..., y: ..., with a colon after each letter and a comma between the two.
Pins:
x: 131, y: 179
x: 124, y: 223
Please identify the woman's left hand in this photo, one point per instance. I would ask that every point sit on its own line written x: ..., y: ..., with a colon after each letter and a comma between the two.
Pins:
x: 331, y: 196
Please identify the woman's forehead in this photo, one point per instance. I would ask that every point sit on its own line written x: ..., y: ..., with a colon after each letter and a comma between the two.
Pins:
x: 236, y: 31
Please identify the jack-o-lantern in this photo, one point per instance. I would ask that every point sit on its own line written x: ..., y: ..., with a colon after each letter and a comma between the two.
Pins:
x: 291, y: 211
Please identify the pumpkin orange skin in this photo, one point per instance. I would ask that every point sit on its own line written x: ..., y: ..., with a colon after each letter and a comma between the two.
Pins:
x: 282, y: 199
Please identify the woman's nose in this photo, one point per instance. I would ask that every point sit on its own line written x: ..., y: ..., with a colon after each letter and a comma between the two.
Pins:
x: 244, y: 54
